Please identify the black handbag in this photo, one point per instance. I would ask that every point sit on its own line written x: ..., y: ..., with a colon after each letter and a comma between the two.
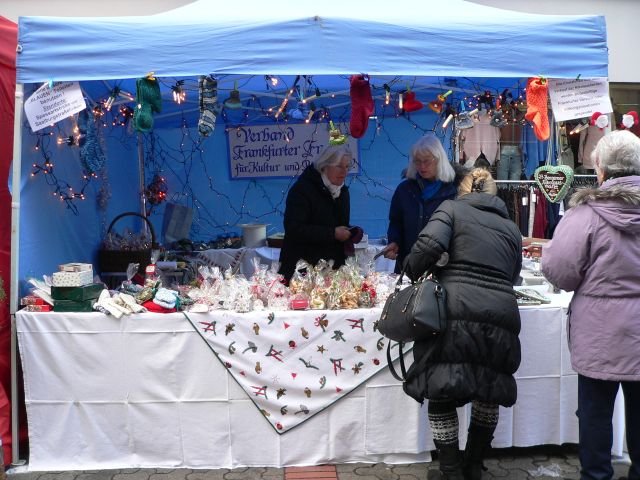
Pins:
x: 415, y: 312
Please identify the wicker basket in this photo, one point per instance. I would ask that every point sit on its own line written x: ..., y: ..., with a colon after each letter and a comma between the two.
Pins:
x: 119, y: 260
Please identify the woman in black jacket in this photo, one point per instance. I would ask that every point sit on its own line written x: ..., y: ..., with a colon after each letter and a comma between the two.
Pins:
x: 480, y: 351
x: 316, y: 216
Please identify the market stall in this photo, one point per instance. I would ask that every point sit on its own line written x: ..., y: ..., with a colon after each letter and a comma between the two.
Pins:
x: 250, y: 44
x: 179, y: 406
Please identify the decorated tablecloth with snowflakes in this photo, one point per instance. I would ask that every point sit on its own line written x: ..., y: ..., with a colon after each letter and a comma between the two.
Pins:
x: 294, y: 364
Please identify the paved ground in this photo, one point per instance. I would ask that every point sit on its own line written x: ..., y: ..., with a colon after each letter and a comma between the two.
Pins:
x: 542, y: 463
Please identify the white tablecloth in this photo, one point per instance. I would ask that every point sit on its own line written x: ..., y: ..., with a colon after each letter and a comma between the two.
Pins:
x: 146, y: 391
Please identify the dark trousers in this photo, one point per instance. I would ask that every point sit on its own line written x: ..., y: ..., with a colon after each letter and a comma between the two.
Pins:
x: 596, y: 399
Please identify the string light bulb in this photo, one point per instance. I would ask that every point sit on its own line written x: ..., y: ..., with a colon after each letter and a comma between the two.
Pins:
x: 283, y: 105
x: 179, y: 94
x: 272, y: 80
x: 387, y: 94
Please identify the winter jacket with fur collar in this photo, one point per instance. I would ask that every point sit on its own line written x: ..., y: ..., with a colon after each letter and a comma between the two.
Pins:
x: 595, y: 252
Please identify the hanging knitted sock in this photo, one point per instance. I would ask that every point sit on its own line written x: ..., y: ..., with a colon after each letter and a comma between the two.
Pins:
x: 361, y: 105
x: 208, y: 90
x: 148, y: 101
x: 537, y: 114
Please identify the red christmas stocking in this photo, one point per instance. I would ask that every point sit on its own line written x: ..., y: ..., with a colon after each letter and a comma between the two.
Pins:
x: 361, y: 104
x: 537, y: 96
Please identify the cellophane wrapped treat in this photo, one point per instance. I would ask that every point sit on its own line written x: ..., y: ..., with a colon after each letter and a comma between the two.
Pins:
x: 368, y: 294
x: 322, y: 275
x: 277, y: 292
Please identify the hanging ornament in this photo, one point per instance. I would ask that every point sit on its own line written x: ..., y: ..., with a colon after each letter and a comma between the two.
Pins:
x: 599, y: 120
x: 630, y: 119
x: 438, y: 103
x: 335, y: 135
x: 156, y: 191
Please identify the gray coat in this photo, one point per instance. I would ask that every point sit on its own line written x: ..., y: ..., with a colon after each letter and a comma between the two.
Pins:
x: 595, y: 252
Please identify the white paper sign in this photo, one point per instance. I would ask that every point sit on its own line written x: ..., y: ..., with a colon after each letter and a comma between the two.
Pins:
x: 571, y: 98
x: 259, y: 151
x: 50, y: 105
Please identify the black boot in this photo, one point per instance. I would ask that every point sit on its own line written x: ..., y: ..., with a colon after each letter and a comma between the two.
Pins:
x: 450, y: 459
x: 478, y: 445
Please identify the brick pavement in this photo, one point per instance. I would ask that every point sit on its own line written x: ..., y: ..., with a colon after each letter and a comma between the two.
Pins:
x: 539, y: 463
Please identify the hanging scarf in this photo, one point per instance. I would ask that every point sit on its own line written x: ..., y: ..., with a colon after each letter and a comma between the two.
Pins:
x: 430, y: 188
x: 333, y: 189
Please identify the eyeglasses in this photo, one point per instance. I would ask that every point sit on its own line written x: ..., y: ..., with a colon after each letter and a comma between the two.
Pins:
x: 428, y: 160
x: 341, y: 166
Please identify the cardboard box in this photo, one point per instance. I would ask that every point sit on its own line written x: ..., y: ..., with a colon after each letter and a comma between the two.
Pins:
x: 78, y: 294
x: 72, y: 279
x: 73, y: 306
x: 75, y: 267
x: 32, y: 300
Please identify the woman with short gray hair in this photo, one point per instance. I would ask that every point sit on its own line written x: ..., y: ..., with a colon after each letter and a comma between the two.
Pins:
x: 595, y: 252
x: 317, y: 213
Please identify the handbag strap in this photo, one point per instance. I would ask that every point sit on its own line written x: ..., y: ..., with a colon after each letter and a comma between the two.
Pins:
x: 403, y: 370
x: 420, y: 279
x: 392, y: 369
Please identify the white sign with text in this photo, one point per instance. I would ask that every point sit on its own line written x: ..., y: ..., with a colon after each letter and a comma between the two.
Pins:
x: 258, y: 151
x: 576, y: 98
x: 49, y: 105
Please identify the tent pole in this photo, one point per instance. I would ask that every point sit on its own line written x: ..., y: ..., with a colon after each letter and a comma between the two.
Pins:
x: 15, y: 265
x: 142, y: 182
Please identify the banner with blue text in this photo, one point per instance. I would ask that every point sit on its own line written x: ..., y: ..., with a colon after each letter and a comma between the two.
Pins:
x: 280, y: 150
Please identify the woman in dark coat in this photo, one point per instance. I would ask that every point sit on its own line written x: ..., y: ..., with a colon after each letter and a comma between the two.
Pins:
x: 316, y: 217
x: 480, y: 350
x: 429, y: 181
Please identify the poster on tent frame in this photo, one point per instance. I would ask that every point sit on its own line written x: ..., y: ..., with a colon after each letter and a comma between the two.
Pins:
x: 280, y: 150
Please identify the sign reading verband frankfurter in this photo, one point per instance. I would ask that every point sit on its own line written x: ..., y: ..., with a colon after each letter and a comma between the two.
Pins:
x: 282, y: 150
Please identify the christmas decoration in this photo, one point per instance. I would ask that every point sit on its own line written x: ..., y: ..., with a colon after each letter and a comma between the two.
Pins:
x: 630, y: 119
x: 438, y: 103
x: 156, y: 191
x: 599, y: 120
x: 410, y: 103
x: 335, y: 135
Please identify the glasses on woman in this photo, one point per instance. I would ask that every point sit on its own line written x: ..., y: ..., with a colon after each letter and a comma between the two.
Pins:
x: 424, y: 160
x: 342, y: 166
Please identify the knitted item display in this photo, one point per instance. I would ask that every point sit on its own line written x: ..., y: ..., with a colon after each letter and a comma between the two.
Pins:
x: 148, y: 101
x: 208, y: 100
x: 361, y: 104
x: 537, y: 113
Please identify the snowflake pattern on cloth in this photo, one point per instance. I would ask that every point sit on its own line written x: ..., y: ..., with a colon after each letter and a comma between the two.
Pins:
x: 294, y: 364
